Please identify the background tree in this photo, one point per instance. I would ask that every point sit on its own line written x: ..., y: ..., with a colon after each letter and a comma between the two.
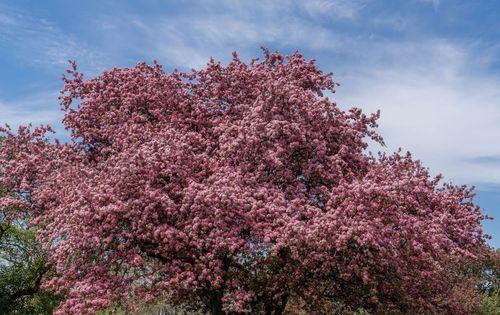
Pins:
x: 487, y: 272
x: 22, y: 267
x: 235, y: 189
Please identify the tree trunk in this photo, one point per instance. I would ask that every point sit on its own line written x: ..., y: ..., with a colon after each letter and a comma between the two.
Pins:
x: 278, y: 307
x: 215, y: 303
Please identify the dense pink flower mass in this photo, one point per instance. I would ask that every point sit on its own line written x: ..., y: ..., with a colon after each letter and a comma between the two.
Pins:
x: 233, y: 188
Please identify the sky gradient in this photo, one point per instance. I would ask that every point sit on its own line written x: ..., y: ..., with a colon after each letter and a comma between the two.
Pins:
x: 431, y: 66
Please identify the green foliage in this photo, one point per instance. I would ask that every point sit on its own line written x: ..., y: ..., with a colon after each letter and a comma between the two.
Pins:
x: 22, y: 267
x: 488, y: 273
x: 490, y: 304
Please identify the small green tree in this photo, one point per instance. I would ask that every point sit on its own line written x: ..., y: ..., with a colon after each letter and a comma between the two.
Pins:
x: 23, y: 264
x: 488, y: 272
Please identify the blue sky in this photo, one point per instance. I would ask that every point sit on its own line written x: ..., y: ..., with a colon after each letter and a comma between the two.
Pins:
x: 432, y: 67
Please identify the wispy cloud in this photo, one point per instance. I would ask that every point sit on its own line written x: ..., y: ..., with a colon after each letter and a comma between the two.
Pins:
x: 434, y: 3
x: 346, y: 9
x: 436, y: 100
x: 40, y: 108
x: 38, y: 42
x: 224, y: 26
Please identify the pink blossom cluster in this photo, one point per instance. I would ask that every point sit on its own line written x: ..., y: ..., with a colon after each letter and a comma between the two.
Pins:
x: 234, y: 187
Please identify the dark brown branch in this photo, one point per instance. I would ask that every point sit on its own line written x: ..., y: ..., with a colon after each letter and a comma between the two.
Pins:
x: 32, y: 289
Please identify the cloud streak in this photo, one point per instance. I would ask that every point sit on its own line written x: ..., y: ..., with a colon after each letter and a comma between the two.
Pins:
x: 436, y: 101
x: 37, y: 109
x: 40, y: 43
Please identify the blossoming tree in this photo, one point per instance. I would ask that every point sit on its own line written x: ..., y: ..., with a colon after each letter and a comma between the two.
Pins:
x: 233, y: 189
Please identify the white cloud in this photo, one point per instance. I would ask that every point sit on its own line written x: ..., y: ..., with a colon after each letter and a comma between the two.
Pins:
x: 42, y: 108
x: 434, y: 3
x: 436, y: 101
x: 345, y: 9
x: 38, y: 42
x: 190, y: 40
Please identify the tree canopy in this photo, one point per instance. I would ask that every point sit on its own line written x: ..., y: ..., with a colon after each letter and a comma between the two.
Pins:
x: 23, y: 264
x: 235, y: 188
